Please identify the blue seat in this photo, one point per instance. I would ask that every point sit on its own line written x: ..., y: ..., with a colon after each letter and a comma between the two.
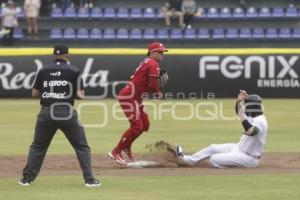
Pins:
x: 109, y: 13
x: 69, y: 33
x: 245, y: 33
x: 238, y: 13
x: 135, y: 34
x: 20, y: 12
x: 136, y: 13
x: 96, y: 33
x: 149, y: 34
x: 18, y: 33
x: 162, y: 34
x: 232, y: 33
x: 56, y: 33
x: 285, y: 33
x: 264, y: 12
x: 159, y: 14
x: 123, y: 13
x: 271, y: 33
x: 149, y: 13
x: 70, y: 13
x: 201, y: 13
x: 109, y: 34
x: 278, y: 12
x: 176, y: 34
x: 296, y: 33
x: 96, y: 12
x: 83, y: 33
x: 122, y: 34
x: 57, y: 13
x: 225, y: 13
x: 251, y: 12
x: 83, y: 13
x: 218, y: 33
x: 203, y: 33
x: 190, y: 34
x: 258, y: 33
x: 291, y: 12
x: 212, y: 13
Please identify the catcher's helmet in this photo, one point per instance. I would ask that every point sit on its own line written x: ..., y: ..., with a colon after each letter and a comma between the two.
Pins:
x: 253, y: 105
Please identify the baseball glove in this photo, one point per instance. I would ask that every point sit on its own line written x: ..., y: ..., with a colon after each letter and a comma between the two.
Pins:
x: 163, y: 78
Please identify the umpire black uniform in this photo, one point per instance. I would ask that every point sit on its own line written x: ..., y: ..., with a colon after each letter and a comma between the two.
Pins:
x: 57, y: 85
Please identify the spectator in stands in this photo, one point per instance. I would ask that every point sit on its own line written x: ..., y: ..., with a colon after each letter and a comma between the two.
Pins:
x: 9, y: 22
x: 189, y: 9
x: 32, y: 11
x: 173, y: 8
x: 85, y: 3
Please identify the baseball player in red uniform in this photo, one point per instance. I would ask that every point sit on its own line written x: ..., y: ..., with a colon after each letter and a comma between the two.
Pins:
x: 146, y: 79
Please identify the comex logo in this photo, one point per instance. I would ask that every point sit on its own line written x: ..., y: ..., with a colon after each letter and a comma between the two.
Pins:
x: 58, y: 73
x: 273, y: 71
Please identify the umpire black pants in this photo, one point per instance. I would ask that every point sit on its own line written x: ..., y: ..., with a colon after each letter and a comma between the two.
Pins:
x: 45, y: 128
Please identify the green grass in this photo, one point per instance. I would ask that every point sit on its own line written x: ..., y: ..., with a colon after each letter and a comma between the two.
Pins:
x: 18, y: 119
x: 258, y: 187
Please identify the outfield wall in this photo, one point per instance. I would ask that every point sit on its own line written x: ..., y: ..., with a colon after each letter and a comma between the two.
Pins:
x: 194, y: 73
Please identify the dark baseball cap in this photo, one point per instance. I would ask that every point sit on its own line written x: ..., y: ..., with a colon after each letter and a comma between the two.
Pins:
x: 60, y: 49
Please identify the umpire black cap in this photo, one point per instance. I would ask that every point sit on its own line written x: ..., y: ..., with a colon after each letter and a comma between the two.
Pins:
x: 60, y: 49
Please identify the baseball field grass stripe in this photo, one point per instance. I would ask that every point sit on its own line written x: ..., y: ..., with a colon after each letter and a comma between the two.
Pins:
x: 141, y: 51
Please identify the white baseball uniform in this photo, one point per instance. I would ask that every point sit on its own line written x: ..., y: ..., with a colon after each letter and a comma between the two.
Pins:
x: 246, y: 153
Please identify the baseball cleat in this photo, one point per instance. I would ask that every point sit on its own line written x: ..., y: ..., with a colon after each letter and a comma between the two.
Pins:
x: 117, y: 157
x: 128, y: 153
x: 179, y: 154
x: 92, y: 183
x: 24, y: 182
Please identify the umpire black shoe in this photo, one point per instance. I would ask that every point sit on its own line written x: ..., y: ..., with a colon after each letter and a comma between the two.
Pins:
x: 25, y: 182
x: 92, y: 183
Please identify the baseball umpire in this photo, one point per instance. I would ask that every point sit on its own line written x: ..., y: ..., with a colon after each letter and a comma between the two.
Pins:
x: 57, y: 85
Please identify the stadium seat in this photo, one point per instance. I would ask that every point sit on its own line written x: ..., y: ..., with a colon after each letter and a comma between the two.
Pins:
x: 159, y: 14
x: 245, y: 33
x: 96, y: 34
x: 96, y: 12
x: 135, y: 34
x: 136, y: 13
x: 278, y: 12
x: 18, y: 33
x: 57, y: 13
x: 83, y: 13
x: 122, y: 34
x: 271, y: 33
x: 149, y: 34
x: 69, y: 33
x: 109, y: 13
x: 20, y: 12
x: 201, y: 13
x: 56, y: 33
x: 123, y: 13
x: 162, y: 34
x: 232, y: 33
x: 264, y: 12
x: 218, y: 33
x: 70, y: 13
x: 238, y: 13
x: 203, y: 33
x: 109, y: 34
x: 149, y: 13
x: 212, y: 13
x: 251, y: 12
x: 83, y: 33
x: 296, y: 33
x: 285, y: 33
x: 190, y: 34
x: 291, y: 12
x: 225, y: 13
x: 258, y: 33
x: 176, y: 34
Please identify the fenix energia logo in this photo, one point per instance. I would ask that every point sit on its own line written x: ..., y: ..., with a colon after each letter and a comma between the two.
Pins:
x: 269, y: 71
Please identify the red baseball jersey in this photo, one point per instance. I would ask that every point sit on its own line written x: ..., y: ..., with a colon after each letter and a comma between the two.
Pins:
x: 145, y: 77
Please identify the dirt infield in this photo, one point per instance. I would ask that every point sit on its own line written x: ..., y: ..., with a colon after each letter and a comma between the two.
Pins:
x: 271, y: 163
